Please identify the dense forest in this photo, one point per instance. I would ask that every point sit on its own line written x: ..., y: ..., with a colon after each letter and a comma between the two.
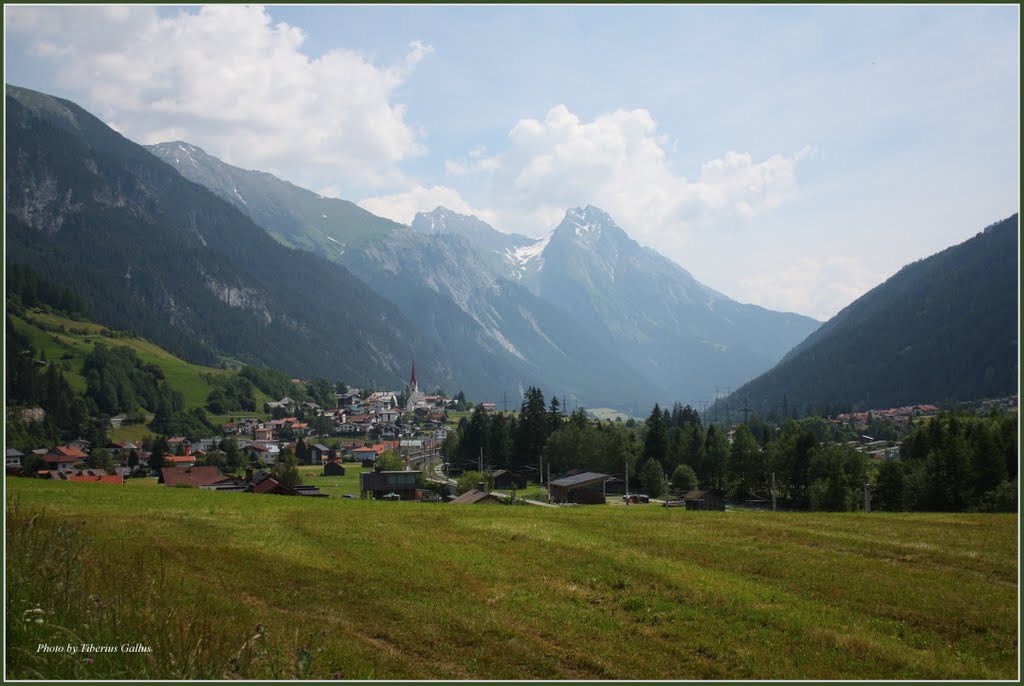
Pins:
x: 942, y: 329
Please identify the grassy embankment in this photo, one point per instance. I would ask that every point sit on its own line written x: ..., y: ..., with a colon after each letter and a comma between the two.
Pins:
x: 363, y: 589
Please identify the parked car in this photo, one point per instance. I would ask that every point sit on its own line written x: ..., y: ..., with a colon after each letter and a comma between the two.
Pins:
x: 638, y: 498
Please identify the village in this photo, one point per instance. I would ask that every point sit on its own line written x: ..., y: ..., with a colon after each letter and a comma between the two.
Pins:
x: 393, y: 442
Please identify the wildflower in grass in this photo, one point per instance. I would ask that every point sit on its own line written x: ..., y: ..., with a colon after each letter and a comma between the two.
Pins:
x: 259, y: 628
x: 337, y: 675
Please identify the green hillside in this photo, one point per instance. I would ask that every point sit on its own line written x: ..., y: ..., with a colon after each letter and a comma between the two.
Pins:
x: 235, y: 585
x: 68, y: 341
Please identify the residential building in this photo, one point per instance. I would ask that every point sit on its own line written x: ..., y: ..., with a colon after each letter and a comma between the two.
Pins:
x: 380, y: 484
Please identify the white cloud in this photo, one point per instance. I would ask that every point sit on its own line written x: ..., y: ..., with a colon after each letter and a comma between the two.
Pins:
x: 818, y: 288
x: 402, y: 207
x: 619, y: 162
x: 230, y: 80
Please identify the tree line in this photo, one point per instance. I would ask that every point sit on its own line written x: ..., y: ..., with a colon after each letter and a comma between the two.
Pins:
x: 953, y: 462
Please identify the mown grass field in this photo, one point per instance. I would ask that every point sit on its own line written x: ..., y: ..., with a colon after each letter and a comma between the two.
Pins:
x: 396, y: 590
x: 335, y: 486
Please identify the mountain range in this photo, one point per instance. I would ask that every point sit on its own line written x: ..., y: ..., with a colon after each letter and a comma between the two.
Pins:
x: 223, y: 266
x: 590, y: 312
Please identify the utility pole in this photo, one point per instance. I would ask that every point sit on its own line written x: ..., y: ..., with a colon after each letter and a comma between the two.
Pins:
x: 549, y: 481
x: 627, y: 482
x: 867, y: 497
x: 480, y: 461
x: 773, y: 491
x: 504, y: 402
x: 746, y: 410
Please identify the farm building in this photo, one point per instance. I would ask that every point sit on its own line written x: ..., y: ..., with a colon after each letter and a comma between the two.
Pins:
x: 379, y: 484
x: 476, y: 497
x: 333, y: 468
x: 271, y: 486
x: 507, y: 480
x: 584, y: 489
x: 704, y: 500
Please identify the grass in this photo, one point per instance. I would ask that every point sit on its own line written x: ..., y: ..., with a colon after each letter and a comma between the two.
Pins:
x: 132, y: 433
x: 335, y: 486
x: 68, y: 342
x: 433, y: 591
x: 533, y: 491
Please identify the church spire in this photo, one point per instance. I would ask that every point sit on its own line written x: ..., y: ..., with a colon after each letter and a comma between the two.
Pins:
x: 413, y: 386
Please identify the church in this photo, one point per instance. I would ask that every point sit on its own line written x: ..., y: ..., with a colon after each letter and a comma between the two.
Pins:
x: 416, y: 397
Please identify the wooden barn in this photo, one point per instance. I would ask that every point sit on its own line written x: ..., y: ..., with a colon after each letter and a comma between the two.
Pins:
x: 584, y: 489
x: 333, y: 468
x: 704, y: 500
x: 476, y: 497
x: 506, y: 480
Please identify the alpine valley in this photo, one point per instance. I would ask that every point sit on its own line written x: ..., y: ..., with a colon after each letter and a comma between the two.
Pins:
x: 224, y: 265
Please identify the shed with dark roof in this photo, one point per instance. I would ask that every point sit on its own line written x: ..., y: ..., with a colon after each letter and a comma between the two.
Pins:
x: 505, y: 479
x: 710, y: 499
x: 334, y: 468
x: 584, y: 489
x: 476, y: 497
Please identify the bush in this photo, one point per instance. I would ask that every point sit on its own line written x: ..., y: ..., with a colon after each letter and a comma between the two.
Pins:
x: 470, y: 480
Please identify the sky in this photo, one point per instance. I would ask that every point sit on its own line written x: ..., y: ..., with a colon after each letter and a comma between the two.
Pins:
x: 793, y: 157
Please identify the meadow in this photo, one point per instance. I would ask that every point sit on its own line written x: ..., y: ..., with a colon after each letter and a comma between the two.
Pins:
x: 236, y: 585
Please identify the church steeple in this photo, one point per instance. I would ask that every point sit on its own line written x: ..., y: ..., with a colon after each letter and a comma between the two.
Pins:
x: 413, y: 386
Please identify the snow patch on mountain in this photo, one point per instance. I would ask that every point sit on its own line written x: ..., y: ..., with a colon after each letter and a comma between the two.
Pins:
x: 524, y: 258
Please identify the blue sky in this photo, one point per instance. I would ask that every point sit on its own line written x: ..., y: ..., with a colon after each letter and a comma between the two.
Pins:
x: 793, y: 157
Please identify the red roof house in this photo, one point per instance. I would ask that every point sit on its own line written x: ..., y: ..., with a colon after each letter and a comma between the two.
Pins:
x: 191, y: 476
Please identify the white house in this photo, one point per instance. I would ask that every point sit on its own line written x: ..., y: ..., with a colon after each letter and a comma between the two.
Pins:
x: 13, y: 458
